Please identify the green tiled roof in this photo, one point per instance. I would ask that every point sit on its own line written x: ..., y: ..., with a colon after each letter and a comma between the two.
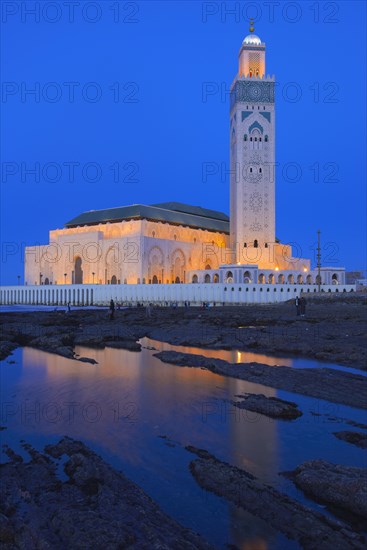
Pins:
x: 174, y: 213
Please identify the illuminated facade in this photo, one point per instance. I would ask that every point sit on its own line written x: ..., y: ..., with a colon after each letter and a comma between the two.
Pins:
x: 177, y: 243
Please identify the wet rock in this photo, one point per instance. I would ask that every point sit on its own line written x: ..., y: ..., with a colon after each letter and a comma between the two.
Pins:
x: 355, y: 438
x: 12, y: 455
x: 332, y: 385
x: 124, y: 344
x: 88, y: 360
x: 97, y: 507
x: 309, y: 527
x: 6, y: 348
x: 343, y: 487
x: 7, y: 533
x: 269, y: 406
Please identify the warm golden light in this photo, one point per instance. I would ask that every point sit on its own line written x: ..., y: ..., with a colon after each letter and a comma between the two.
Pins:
x: 305, y: 269
x: 277, y: 269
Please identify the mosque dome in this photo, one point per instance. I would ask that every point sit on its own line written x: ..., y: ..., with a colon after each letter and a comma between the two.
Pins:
x: 252, y: 40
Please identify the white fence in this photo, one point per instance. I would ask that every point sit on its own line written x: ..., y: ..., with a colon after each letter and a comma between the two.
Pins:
x: 196, y: 294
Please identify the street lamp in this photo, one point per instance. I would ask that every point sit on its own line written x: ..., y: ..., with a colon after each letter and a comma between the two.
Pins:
x: 65, y: 278
x: 93, y: 276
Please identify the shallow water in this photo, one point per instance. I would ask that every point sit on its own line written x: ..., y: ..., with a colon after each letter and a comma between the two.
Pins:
x: 122, y: 405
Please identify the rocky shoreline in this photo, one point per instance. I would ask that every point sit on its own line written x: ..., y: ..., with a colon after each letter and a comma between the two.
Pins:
x: 332, y: 385
x: 340, y: 486
x: 308, y: 527
x: 95, y: 507
x: 333, y: 330
x: 98, y: 507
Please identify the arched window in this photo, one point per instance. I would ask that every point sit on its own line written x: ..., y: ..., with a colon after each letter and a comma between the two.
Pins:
x: 257, y: 72
x: 251, y: 168
x: 194, y: 278
x: 250, y: 138
x: 255, y: 138
x: 291, y: 279
x: 155, y: 280
x: 113, y: 280
x: 334, y: 279
x: 309, y: 279
x: 250, y: 72
x: 260, y: 169
x: 256, y: 244
x: 47, y: 281
x: 229, y: 277
x: 245, y: 137
x: 266, y: 138
x: 207, y: 266
x: 261, y: 278
x: 271, y: 279
x: 207, y: 278
x: 216, y: 278
x: 281, y: 279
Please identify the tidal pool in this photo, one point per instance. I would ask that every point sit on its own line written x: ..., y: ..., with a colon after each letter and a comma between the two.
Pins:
x: 120, y: 407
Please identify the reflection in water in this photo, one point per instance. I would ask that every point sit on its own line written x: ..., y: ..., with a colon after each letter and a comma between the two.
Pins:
x: 232, y: 356
x: 121, y: 405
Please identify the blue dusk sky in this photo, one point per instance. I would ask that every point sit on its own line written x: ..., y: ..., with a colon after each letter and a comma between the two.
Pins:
x: 130, y: 105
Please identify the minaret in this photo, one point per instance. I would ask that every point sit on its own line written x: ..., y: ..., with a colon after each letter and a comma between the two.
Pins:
x: 252, y: 160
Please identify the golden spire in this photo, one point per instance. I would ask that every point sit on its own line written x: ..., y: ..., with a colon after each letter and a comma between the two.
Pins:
x: 252, y: 25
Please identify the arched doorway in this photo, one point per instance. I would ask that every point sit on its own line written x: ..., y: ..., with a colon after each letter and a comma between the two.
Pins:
x: 78, y: 272
x: 177, y: 280
x: 300, y: 280
x: 207, y: 278
x: 291, y: 279
x: 309, y: 279
x: 247, y: 277
x: 194, y: 278
x: 216, y: 278
x: 271, y: 279
x: 155, y: 265
x: 261, y: 278
x: 334, y: 279
x: 229, y: 277
x: 113, y: 280
x: 281, y: 279
x: 47, y: 281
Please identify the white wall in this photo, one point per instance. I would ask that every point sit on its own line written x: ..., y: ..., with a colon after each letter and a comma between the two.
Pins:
x: 194, y: 293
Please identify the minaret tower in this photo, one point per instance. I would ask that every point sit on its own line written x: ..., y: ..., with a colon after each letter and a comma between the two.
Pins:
x: 252, y: 160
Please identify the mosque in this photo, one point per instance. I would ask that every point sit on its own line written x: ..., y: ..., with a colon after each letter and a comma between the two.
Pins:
x: 172, y: 242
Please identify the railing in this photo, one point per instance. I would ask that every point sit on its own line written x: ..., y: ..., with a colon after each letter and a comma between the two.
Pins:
x: 196, y: 294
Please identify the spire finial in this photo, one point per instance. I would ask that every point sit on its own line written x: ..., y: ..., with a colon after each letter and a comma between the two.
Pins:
x: 252, y: 24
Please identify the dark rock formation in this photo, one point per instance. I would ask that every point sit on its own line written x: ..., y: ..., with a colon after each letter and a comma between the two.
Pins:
x: 97, y: 507
x: 355, y: 438
x: 310, y: 528
x: 269, y: 406
x: 342, y: 487
x: 332, y: 385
